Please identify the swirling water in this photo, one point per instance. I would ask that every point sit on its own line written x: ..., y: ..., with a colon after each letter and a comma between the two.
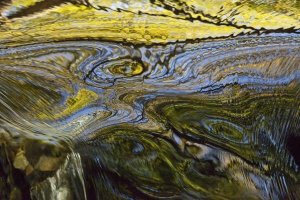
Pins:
x: 95, y: 119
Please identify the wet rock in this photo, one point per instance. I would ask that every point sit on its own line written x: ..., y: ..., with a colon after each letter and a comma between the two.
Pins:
x: 20, y: 161
x: 25, y: 162
x: 15, y: 194
x: 46, y: 163
x: 29, y: 169
x: 38, y: 152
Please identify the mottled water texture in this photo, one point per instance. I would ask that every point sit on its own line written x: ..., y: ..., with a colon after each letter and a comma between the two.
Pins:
x: 179, y: 117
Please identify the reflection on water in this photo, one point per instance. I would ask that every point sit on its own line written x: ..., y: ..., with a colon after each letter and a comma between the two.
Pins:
x: 213, y: 119
x: 189, y: 120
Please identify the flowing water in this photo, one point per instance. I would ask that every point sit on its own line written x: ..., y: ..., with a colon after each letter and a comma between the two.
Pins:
x: 155, y: 111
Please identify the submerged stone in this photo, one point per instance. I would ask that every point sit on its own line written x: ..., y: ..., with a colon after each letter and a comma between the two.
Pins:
x: 46, y: 163
x: 20, y: 161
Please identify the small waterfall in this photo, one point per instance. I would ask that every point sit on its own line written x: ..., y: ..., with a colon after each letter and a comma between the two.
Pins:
x: 67, y: 183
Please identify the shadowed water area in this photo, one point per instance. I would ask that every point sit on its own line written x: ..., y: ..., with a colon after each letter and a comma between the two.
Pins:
x: 157, y: 108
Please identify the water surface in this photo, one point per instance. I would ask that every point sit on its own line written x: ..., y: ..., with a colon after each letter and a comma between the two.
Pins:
x: 181, y: 117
